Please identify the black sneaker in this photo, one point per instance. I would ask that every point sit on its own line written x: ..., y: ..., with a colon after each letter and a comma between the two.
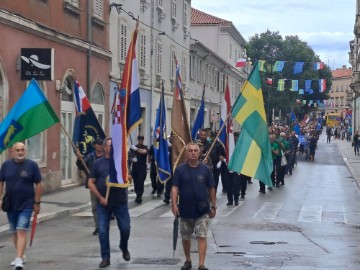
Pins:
x: 187, y: 265
x: 104, y: 263
x: 153, y: 191
x: 96, y: 232
x: 166, y: 201
x: 202, y: 267
x: 229, y: 203
x: 236, y: 202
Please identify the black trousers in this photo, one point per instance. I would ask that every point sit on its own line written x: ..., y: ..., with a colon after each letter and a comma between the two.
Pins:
x: 168, y: 186
x: 233, y: 190
x: 138, y: 174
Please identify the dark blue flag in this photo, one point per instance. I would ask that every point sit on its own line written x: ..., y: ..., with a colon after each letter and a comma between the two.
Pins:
x: 161, y: 148
x: 86, y: 126
x: 199, y: 121
x: 298, y: 67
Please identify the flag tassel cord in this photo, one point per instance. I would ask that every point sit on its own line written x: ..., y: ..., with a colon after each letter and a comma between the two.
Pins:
x: 74, y: 147
x: 217, y: 136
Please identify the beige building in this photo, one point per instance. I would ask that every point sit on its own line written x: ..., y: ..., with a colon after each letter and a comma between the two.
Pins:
x: 339, y: 92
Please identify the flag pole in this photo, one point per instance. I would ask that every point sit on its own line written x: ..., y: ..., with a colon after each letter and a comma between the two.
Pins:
x: 217, y: 136
x: 74, y: 147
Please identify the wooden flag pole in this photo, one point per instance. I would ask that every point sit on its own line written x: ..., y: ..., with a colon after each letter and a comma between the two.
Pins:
x: 216, y: 138
x: 75, y: 149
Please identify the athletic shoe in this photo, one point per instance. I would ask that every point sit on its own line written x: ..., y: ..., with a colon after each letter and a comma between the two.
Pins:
x: 19, y: 264
x: 23, y: 261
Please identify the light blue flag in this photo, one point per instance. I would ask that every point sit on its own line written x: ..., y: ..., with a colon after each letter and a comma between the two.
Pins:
x: 298, y: 67
x: 294, y: 85
x: 278, y: 66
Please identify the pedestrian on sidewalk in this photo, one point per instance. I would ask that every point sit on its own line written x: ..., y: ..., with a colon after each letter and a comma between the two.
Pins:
x: 328, y: 134
x: 23, y: 184
x: 117, y: 204
x: 356, y: 142
x: 89, y: 161
x: 194, y: 184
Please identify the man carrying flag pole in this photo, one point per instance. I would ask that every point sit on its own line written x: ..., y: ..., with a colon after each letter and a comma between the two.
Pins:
x: 252, y: 154
x: 112, y: 170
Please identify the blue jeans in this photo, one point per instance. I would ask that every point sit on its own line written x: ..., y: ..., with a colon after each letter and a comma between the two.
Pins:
x: 19, y: 220
x: 121, y: 213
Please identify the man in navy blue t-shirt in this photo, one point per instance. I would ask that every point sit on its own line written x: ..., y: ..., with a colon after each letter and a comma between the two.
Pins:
x: 23, y: 184
x: 193, y: 182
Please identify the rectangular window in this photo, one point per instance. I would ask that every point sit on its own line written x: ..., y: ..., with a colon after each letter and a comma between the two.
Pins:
x: 99, y: 9
x: 123, y: 42
x: 173, y: 9
x: 172, y: 64
x: 185, y: 14
x: 193, y: 67
x: 142, y: 51
x: 231, y: 50
x: 216, y: 79
x: 159, y: 58
x: 73, y: 2
x: 221, y: 82
x: 184, y: 68
x: 199, y: 71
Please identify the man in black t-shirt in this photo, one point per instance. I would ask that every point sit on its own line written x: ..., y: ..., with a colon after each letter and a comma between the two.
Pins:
x: 193, y: 182
x: 116, y: 204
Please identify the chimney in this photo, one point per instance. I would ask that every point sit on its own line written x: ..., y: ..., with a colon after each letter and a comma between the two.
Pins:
x: 344, y: 66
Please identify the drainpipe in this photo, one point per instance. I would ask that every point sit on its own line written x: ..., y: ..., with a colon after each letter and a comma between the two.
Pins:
x: 88, y: 56
x: 152, y: 46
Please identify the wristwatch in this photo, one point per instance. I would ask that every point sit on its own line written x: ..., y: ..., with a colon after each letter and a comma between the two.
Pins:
x: 38, y: 203
x: 213, y: 207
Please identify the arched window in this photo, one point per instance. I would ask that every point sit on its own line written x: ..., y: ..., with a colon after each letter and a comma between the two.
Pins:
x: 98, y: 103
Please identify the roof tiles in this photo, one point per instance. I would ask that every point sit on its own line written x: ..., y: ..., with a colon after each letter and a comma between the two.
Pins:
x: 198, y: 17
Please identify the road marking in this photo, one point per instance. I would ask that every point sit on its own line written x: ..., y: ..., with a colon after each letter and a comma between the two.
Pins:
x: 310, y: 213
x: 268, y: 210
x: 224, y: 210
x: 144, y: 208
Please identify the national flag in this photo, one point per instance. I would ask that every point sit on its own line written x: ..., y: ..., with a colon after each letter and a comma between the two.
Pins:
x: 322, y: 85
x: 318, y: 65
x: 293, y: 117
x: 30, y: 115
x: 252, y: 154
x: 278, y: 66
x: 262, y: 65
x: 269, y: 81
x: 161, y: 148
x: 306, y: 118
x: 179, y: 124
x: 294, y: 85
x: 281, y: 85
x: 298, y: 67
x: 241, y: 62
x: 297, y: 128
x: 126, y: 115
x: 86, y: 125
x: 307, y: 85
x: 301, y: 91
x: 226, y: 136
x: 199, y: 121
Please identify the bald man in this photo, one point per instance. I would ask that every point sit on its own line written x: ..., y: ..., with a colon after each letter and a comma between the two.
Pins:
x: 23, y: 184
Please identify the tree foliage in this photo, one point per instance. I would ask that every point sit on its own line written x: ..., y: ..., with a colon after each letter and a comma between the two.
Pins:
x: 270, y: 46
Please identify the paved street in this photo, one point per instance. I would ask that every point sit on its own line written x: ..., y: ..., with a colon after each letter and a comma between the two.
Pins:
x: 312, y: 222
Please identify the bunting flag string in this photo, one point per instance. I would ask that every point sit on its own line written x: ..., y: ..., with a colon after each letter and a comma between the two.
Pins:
x: 294, y: 85
x: 278, y: 66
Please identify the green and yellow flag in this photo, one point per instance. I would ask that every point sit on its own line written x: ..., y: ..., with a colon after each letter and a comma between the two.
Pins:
x: 252, y: 154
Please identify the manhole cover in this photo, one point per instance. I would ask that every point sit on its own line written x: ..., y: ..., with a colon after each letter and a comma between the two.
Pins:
x: 156, y: 261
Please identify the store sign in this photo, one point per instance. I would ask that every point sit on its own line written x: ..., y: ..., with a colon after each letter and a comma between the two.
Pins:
x: 37, y: 64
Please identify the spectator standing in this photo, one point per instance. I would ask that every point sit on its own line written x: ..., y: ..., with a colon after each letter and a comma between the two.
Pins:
x: 117, y: 204
x: 23, y: 184
x: 356, y: 142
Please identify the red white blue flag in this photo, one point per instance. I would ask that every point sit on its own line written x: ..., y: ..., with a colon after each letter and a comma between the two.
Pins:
x: 86, y: 125
x: 322, y: 85
x: 318, y: 65
x: 126, y: 113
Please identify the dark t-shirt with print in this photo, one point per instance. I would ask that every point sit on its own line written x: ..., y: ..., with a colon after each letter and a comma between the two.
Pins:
x: 193, y: 184
x: 20, y: 179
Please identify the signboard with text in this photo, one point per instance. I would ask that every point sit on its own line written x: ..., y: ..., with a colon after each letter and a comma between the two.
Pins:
x: 37, y: 63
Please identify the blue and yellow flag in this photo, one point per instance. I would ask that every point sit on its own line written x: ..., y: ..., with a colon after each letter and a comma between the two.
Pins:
x: 252, y: 154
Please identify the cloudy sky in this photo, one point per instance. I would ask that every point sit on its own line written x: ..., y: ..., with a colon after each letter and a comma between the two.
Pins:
x: 326, y: 25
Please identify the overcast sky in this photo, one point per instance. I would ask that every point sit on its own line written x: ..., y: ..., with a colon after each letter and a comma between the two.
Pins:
x: 326, y: 25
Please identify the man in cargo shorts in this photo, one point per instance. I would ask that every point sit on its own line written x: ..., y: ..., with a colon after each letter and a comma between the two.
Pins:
x: 193, y: 182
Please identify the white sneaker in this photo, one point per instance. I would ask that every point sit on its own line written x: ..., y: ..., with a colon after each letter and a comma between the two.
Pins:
x: 19, y: 264
x: 23, y: 261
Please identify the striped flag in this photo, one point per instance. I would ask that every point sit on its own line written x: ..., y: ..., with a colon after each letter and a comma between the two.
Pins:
x: 30, y: 115
x: 252, y: 154
x: 126, y: 113
x: 318, y: 65
x: 322, y: 85
x: 179, y: 124
x: 227, y: 136
x: 86, y: 125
